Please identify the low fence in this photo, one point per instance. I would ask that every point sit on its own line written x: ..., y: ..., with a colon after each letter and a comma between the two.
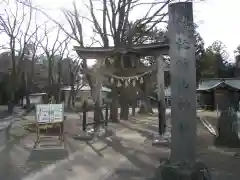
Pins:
x: 103, y: 119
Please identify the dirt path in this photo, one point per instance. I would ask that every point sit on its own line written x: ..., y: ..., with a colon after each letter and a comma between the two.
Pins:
x: 128, y: 154
x: 223, y: 162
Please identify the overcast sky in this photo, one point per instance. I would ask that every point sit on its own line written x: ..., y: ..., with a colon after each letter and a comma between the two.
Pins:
x: 217, y: 19
x: 220, y: 21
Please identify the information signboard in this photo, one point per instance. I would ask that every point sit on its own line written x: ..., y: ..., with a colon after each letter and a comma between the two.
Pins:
x: 49, y: 113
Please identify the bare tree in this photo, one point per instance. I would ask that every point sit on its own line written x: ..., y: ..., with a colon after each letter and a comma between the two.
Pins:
x: 54, y: 51
x: 116, y: 27
x: 15, y: 24
x: 73, y: 78
x: 113, y: 26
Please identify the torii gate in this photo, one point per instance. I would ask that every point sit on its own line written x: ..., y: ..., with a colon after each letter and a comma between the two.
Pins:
x: 157, y: 50
x: 183, y: 84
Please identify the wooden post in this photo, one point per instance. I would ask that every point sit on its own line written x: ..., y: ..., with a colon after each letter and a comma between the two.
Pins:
x: 161, y: 95
x: 106, y: 115
x: 134, y: 102
x: 84, y: 120
x: 183, y: 82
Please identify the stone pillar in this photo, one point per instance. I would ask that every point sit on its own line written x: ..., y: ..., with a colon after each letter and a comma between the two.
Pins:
x: 98, y: 85
x: 161, y: 95
x: 183, y: 82
x: 182, y: 164
x: 98, y: 115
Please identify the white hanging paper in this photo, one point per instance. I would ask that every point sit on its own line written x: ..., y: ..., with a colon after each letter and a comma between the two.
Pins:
x: 111, y: 80
x: 141, y: 80
x: 111, y: 60
x: 119, y: 84
x: 126, y: 83
x: 134, y: 83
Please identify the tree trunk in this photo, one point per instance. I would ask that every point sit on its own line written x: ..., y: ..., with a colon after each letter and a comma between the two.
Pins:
x: 58, y: 93
x: 124, y: 105
x: 27, y: 101
x: 145, y: 106
x: 12, y: 93
x: 55, y: 91
x: 11, y: 102
x: 124, y: 110
x: 27, y: 90
x: 68, y: 100
x: 10, y: 107
x: 21, y: 101
x: 97, y: 115
x: 134, y: 103
x: 114, y: 106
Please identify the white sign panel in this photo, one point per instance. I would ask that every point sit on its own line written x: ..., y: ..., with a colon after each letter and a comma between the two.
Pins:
x: 49, y: 113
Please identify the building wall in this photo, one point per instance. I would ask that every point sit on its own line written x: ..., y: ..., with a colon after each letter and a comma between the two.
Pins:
x: 206, y: 100
x: 34, y: 100
x: 219, y: 97
x: 225, y: 98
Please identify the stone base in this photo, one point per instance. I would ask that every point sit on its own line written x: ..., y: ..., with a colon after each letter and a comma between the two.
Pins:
x: 163, y: 140
x: 183, y: 171
x: 90, y: 134
x: 45, y: 143
x: 84, y: 136
x: 103, y: 133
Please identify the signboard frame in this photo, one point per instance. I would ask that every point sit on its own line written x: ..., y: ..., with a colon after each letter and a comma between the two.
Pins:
x: 51, y: 114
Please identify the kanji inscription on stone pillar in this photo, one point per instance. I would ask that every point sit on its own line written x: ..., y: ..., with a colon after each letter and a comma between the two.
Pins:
x: 183, y: 81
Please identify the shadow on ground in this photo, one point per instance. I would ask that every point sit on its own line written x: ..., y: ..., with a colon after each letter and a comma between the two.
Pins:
x: 8, y: 168
x: 41, y: 158
x: 125, y: 173
x: 17, y: 161
x: 4, y: 114
x: 147, y: 128
x: 143, y: 160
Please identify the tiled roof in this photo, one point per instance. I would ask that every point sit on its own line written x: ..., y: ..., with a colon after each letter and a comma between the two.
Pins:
x: 209, y: 84
x: 234, y: 83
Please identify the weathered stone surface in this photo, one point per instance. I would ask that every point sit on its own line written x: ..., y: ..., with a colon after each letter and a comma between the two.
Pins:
x: 228, y: 129
x: 183, y: 81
